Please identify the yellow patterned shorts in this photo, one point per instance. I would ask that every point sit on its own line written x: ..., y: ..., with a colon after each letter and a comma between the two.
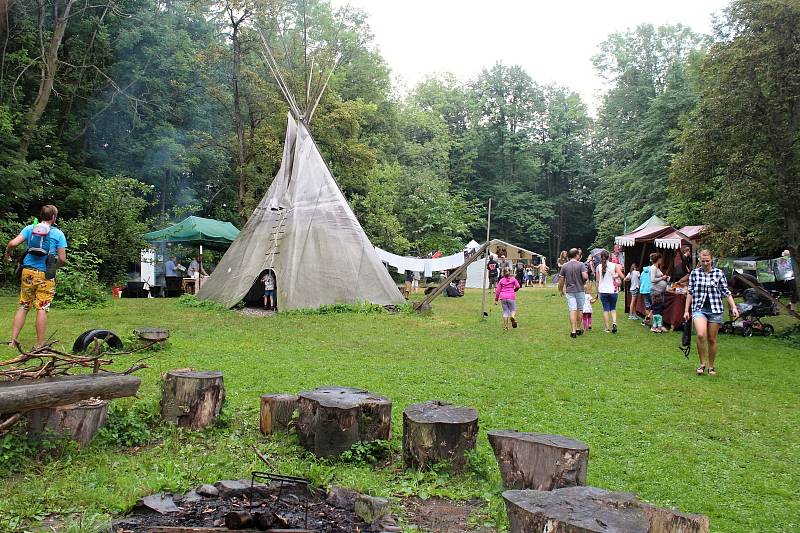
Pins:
x: 36, y: 289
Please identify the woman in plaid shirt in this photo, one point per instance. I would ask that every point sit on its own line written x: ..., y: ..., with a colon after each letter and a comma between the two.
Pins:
x: 707, y: 286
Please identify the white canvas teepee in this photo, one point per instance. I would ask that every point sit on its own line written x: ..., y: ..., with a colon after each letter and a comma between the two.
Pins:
x: 304, y: 231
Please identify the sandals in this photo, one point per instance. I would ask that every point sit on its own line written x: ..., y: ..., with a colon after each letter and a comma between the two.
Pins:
x: 701, y: 370
x: 711, y: 371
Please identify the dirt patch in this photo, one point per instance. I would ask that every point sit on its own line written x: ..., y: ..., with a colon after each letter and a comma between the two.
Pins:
x: 440, y: 515
x: 255, y: 311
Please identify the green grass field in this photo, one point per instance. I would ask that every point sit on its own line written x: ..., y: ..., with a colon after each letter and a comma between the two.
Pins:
x: 728, y: 447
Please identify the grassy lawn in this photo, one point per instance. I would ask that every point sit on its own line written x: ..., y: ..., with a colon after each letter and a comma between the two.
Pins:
x: 728, y: 447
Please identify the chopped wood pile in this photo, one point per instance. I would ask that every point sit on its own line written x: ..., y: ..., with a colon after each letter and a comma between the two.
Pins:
x: 62, y: 376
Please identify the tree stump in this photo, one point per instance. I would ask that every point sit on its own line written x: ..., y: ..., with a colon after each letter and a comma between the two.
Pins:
x: 539, y: 461
x: 276, y: 412
x: 593, y: 510
x: 192, y: 399
x: 332, y: 419
x: 438, y: 431
x: 78, y: 421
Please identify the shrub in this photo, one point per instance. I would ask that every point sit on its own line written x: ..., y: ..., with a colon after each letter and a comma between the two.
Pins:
x: 129, y: 426
x: 77, y: 284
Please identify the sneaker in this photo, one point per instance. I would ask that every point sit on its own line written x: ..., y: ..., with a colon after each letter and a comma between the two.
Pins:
x: 579, y: 332
x: 573, y: 335
x: 633, y: 317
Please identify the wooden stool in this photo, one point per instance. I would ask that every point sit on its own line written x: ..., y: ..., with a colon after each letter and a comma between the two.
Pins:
x: 539, y: 461
x: 276, y: 412
x: 332, y: 419
x: 438, y: 431
x: 78, y: 421
x: 192, y: 399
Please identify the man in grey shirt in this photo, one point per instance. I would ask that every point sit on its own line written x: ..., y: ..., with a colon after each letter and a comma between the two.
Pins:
x: 571, y: 279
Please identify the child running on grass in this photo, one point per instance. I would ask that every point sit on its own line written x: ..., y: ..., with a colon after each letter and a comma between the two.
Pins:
x: 506, y: 293
x: 587, y: 311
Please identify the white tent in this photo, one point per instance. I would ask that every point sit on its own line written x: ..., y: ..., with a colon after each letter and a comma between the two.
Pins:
x: 306, y: 233
x: 514, y: 254
x: 303, y: 230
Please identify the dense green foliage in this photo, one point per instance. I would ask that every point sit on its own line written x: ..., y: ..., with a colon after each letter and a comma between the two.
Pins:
x: 132, y: 112
x: 653, y: 427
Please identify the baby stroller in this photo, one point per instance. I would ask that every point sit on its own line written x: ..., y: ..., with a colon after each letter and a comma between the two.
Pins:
x: 756, y: 305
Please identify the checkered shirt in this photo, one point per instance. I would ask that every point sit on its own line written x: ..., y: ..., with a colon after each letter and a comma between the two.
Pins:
x: 711, y: 286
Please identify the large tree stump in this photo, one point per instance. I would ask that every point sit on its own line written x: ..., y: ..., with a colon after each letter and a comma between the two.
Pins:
x: 192, y: 399
x: 589, y: 509
x: 79, y: 421
x: 438, y: 431
x: 332, y: 419
x: 276, y: 412
x: 539, y: 461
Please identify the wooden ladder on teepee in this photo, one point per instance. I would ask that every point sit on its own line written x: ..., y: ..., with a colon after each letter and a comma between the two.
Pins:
x: 277, y: 219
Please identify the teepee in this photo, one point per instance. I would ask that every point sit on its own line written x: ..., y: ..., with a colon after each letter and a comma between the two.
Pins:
x: 305, y: 232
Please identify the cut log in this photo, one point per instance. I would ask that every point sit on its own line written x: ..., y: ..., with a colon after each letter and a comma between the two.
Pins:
x: 28, y: 394
x: 79, y: 421
x: 277, y: 411
x: 332, y: 419
x: 589, y: 509
x: 238, y: 520
x: 152, y: 334
x: 438, y: 431
x: 192, y: 399
x: 539, y: 461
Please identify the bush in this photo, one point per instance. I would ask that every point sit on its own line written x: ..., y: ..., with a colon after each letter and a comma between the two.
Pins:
x: 77, y: 285
x: 129, y: 426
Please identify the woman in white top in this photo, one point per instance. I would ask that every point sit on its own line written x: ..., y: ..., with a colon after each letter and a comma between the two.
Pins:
x: 609, y: 278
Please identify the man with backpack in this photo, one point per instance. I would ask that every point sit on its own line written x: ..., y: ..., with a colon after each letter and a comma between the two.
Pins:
x: 46, y: 252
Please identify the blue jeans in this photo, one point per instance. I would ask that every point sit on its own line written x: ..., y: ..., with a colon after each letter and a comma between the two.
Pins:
x: 609, y: 300
x: 711, y: 318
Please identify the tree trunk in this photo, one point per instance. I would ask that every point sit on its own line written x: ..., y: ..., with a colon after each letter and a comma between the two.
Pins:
x: 332, y: 419
x: 276, y: 412
x: 438, y: 431
x: 539, y: 461
x: 591, y: 510
x: 79, y: 421
x: 237, y: 105
x: 28, y: 394
x: 192, y: 399
x: 49, y: 69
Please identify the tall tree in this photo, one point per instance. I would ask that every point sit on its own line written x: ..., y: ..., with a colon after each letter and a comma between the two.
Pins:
x: 647, y: 70
x: 740, y: 165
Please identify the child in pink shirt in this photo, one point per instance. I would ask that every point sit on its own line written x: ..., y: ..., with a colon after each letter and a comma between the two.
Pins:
x: 506, y: 292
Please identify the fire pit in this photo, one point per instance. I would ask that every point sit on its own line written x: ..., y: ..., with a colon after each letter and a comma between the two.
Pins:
x: 284, y: 504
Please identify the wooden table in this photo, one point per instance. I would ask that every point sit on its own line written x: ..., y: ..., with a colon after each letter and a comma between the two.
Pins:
x: 674, y: 304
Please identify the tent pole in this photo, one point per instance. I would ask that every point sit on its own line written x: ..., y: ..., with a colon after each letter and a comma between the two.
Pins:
x: 484, y: 314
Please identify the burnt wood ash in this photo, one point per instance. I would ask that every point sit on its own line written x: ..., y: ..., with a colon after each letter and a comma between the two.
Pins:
x: 195, y: 510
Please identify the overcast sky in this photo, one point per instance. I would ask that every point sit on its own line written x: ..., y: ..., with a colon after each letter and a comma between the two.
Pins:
x: 553, y: 40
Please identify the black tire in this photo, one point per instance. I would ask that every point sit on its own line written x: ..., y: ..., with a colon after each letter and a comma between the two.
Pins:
x: 768, y: 330
x: 87, y: 338
x: 747, y: 331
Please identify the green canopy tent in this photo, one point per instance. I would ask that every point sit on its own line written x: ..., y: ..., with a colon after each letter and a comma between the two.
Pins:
x: 196, y: 231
